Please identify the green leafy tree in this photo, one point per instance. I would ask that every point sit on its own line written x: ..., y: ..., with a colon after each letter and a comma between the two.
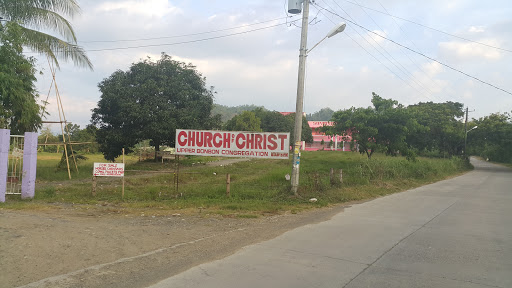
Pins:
x: 269, y: 121
x: 247, y: 121
x: 73, y: 130
x: 325, y: 114
x: 150, y: 101
x: 361, y: 124
x: 307, y: 132
x: 46, y: 136
x: 493, y: 137
x: 443, y: 132
x: 31, y: 17
x: 86, y: 137
x: 383, y: 127
x: 273, y: 121
x: 227, y: 113
x: 19, y: 111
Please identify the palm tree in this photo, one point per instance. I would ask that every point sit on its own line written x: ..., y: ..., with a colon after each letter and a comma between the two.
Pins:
x: 35, y: 15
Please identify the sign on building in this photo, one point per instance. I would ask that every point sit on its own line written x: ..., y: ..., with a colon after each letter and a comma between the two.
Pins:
x: 108, y: 169
x: 233, y: 144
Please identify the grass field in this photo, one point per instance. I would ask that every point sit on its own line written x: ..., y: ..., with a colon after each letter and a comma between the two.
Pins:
x: 257, y: 186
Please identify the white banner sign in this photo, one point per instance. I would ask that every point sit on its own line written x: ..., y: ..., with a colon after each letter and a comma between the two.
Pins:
x: 108, y: 169
x: 233, y: 144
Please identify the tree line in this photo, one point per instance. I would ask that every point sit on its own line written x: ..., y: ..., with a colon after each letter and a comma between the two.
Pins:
x: 426, y: 129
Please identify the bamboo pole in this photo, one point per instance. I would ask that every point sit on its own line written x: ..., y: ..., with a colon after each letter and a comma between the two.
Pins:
x: 60, y: 117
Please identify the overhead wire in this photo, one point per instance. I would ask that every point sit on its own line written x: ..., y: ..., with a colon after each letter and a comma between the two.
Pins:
x: 396, y: 63
x: 431, y: 28
x: 422, y: 54
x: 403, y: 33
x: 188, y: 41
x: 373, y: 56
x: 407, y: 70
x: 188, y: 35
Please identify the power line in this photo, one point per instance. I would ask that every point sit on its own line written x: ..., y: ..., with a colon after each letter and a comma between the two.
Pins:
x: 419, y: 53
x: 187, y: 35
x: 186, y: 42
x: 433, y: 29
x: 412, y: 75
x: 403, y: 69
x: 390, y: 70
x: 415, y: 46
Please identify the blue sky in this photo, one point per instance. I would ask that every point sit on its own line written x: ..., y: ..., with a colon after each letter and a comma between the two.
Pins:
x: 261, y: 67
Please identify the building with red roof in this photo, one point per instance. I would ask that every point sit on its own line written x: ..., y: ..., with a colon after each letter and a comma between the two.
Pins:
x: 330, y: 142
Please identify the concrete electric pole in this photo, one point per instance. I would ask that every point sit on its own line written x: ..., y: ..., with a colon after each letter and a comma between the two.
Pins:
x: 300, y: 98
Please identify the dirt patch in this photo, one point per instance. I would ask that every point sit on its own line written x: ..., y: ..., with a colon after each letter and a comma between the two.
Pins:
x: 74, y: 246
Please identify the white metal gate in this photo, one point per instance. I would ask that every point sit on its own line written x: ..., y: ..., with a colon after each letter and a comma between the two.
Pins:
x: 15, y: 166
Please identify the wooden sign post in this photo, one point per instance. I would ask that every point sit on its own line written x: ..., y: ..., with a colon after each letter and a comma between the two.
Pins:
x: 107, y: 170
x: 122, y: 193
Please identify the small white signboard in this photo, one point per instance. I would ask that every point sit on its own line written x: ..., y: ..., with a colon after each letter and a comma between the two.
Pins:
x: 108, y: 169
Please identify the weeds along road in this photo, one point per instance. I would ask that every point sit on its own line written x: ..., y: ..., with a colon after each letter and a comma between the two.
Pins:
x: 454, y: 233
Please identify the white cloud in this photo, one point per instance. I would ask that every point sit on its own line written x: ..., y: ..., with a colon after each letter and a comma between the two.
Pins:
x: 376, y: 38
x: 151, y: 8
x: 432, y: 68
x: 466, y: 50
x: 467, y: 95
x: 427, y: 77
x: 475, y: 29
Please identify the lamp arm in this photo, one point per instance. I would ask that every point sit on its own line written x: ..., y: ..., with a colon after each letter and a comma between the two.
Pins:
x: 309, y: 50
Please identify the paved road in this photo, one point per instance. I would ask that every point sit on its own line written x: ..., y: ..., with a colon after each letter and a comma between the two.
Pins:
x: 455, y: 233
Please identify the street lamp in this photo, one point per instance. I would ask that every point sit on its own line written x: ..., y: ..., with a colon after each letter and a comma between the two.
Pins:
x: 466, y: 140
x: 294, y: 7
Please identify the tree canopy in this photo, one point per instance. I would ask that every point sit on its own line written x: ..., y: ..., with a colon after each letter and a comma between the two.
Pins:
x: 443, y: 132
x: 19, y: 111
x: 383, y: 127
x: 246, y: 121
x: 430, y: 129
x: 31, y: 16
x: 268, y: 121
x: 324, y: 114
x: 227, y: 113
x: 493, y: 137
x: 150, y: 101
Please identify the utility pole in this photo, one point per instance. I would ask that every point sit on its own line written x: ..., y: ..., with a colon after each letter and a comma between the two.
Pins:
x: 466, y: 131
x: 300, y: 97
